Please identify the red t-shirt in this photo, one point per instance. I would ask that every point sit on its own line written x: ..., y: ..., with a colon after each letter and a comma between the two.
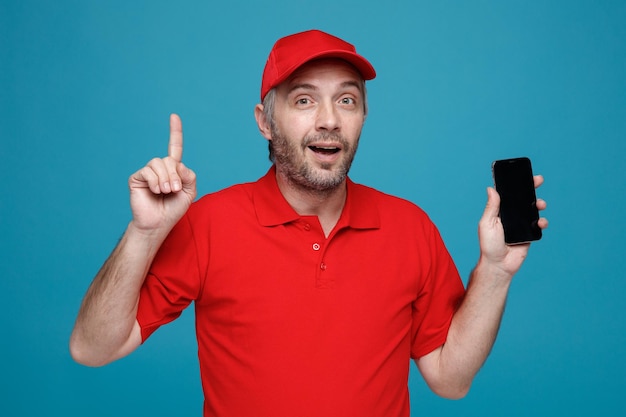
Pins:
x: 291, y: 323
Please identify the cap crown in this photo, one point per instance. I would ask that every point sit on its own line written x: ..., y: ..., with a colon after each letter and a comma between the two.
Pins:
x: 291, y: 52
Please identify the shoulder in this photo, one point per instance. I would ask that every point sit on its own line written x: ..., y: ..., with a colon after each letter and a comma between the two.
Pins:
x: 394, y: 217
x: 224, y: 201
x: 387, y: 204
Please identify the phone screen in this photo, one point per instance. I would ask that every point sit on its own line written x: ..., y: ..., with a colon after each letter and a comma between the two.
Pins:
x: 513, y: 180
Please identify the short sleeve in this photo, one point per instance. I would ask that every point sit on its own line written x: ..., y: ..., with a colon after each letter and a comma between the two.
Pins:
x: 437, y: 301
x: 172, y: 282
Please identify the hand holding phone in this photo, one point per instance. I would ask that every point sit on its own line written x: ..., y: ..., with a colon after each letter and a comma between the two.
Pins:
x: 513, y: 179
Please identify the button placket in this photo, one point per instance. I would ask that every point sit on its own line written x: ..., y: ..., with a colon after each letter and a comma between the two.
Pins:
x: 323, y: 280
x: 318, y: 245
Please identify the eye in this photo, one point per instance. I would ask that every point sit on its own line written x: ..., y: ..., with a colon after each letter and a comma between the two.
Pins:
x: 347, y: 101
x: 303, y: 101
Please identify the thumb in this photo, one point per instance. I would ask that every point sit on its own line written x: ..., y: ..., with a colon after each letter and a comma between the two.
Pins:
x: 187, y: 176
x: 492, y: 209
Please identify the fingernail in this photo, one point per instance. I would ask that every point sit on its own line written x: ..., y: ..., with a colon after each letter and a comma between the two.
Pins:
x: 176, y: 186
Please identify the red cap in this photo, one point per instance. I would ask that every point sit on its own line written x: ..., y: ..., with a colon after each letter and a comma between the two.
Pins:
x: 290, y: 52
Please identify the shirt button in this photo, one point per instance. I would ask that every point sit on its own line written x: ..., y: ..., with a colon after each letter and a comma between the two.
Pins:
x: 323, y: 266
x: 316, y: 246
x: 307, y: 227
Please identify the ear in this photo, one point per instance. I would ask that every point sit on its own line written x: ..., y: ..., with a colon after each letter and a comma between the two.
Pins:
x: 261, y: 122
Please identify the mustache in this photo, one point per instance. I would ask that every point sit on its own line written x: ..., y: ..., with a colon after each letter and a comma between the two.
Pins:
x: 326, y: 137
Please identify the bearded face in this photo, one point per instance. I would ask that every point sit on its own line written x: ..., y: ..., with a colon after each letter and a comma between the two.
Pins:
x: 318, y: 162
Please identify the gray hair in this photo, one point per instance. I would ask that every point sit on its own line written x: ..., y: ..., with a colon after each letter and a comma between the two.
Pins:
x: 268, y: 113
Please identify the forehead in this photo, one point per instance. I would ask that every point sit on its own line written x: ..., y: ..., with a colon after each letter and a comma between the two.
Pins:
x: 323, y: 71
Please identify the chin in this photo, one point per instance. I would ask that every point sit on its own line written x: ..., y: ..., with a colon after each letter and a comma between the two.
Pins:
x: 326, y: 180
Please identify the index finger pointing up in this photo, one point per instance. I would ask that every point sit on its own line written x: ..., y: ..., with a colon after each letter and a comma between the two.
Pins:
x: 175, y: 148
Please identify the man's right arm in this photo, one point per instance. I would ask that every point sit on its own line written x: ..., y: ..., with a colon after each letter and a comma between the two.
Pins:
x: 106, y: 328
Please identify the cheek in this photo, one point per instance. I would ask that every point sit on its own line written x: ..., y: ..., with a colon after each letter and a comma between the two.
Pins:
x: 354, y: 127
x: 294, y: 127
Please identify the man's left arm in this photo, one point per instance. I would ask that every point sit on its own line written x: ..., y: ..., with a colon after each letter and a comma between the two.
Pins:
x: 450, y: 369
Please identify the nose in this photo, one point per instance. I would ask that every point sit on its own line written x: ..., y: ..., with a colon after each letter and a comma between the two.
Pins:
x: 328, y: 118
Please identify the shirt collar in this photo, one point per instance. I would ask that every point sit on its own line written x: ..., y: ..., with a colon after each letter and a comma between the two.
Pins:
x: 360, y: 211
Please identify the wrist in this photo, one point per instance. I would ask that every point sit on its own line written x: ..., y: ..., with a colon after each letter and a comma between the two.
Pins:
x: 144, y: 240
x: 486, y: 268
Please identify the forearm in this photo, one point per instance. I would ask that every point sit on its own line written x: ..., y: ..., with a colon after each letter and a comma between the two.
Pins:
x: 105, y: 326
x: 472, y: 333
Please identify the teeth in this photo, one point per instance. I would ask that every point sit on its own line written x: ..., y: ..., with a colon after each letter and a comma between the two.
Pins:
x: 324, y: 149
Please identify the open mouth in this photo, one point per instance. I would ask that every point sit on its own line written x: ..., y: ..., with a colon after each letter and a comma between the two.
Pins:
x: 325, y: 150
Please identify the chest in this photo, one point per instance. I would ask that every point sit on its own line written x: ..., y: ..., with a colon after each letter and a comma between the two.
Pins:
x: 279, y: 277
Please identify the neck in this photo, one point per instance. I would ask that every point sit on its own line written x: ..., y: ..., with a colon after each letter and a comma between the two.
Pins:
x: 327, y: 205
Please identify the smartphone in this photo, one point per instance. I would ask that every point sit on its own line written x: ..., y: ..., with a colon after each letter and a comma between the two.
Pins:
x: 513, y: 179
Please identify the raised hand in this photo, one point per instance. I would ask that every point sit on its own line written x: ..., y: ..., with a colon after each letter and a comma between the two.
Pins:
x: 162, y: 191
x: 450, y: 368
x: 507, y: 258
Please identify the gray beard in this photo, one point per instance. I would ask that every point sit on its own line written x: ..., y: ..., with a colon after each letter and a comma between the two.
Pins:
x: 303, y: 175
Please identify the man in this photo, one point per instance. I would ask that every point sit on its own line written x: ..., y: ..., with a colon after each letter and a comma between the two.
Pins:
x: 311, y: 292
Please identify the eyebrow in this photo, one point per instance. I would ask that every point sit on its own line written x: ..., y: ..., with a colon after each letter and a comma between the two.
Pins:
x: 307, y: 86
x: 302, y: 86
x: 357, y: 85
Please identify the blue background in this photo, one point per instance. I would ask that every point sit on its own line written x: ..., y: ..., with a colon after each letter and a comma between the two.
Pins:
x: 85, y: 93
